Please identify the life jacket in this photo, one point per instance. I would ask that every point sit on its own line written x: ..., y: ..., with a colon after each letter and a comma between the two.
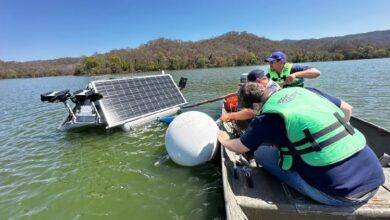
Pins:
x: 316, y: 128
x: 283, y: 75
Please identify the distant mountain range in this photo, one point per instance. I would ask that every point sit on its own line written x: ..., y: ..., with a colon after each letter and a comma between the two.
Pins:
x: 377, y: 38
x: 229, y: 49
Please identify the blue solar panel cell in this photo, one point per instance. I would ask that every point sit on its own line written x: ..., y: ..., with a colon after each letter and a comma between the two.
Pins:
x: 128, y: 99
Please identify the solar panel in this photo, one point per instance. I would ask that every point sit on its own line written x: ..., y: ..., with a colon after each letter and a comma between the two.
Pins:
x: 128, y: 99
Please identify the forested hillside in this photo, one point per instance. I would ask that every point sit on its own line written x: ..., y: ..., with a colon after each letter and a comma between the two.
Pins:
x: 230, y: 49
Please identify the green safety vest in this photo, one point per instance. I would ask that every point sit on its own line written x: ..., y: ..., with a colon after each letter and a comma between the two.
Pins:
x: 283, y: 75
x: 315, y: 127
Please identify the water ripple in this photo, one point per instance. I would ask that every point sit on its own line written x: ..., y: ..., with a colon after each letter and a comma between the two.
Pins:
x: 97, y: 174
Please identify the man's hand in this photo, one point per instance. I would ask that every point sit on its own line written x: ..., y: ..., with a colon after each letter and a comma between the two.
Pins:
x: 290, y: 79
x: 222, y: 136
x: 225, y: 117
x: 242, y: 115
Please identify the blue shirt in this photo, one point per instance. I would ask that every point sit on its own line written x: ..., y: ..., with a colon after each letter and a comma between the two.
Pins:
x: 360, y: 172
x: 298, y: 68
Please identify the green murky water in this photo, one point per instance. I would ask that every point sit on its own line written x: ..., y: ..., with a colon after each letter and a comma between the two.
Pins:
x: 97, y: 174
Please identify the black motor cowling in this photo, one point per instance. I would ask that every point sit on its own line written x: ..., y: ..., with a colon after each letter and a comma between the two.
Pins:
x: 81, y: 96
x: 182, y: 83
x: 55, y: 96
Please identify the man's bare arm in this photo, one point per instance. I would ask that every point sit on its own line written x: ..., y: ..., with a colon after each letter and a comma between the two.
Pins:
x: 310, y: 73
x: 244, y: 114
x: 347, y: 109
x: 234, y: 145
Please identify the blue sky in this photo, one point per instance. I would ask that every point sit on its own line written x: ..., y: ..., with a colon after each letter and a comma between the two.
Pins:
x: 49, y: 29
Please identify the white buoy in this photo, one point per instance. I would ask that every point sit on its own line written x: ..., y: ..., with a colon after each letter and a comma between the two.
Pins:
x: 191, y: 138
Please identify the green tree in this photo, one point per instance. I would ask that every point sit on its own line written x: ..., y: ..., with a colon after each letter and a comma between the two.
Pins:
x: 91, y: 62
x: 115, y: 64
x: 162, y: 61
x: 201, y: 62
x: 252, y: 58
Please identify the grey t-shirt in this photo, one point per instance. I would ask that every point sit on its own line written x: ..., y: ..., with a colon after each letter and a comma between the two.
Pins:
x: 273, y: 86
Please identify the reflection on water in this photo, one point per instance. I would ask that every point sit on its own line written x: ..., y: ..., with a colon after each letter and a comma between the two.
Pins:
x: 90, y: 174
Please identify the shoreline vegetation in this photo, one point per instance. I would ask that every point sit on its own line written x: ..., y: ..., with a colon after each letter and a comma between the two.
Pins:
x: 228, y: 50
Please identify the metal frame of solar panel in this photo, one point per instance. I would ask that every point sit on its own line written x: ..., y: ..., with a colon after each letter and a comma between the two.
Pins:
x: 126, y: 100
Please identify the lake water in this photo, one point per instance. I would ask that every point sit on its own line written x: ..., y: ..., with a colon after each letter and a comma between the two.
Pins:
x: 96, y: 174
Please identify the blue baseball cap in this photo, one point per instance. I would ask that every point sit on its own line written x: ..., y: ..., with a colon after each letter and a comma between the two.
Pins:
x: 277, y: 55
x: 255, y: 74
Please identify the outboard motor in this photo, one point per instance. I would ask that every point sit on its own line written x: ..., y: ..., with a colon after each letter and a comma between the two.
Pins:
x: 80, y: 96
x: 243, y: 78
x: 61, y: 96
x: 182, y: 83
x: 55, y: 96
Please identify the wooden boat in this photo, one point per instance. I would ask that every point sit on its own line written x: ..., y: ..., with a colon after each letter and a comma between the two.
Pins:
x: 252, y: 193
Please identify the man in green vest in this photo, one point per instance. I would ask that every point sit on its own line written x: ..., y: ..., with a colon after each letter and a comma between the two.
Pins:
x: 317, y: 151
x: 288, y: 74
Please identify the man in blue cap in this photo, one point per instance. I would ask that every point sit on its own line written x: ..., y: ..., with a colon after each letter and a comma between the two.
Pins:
x: 288, y: 74
x: 260, y: 77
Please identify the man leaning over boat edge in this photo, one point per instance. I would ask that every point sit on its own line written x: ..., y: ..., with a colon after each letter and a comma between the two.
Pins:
x: 341, y: 178
x: 258, y: 76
